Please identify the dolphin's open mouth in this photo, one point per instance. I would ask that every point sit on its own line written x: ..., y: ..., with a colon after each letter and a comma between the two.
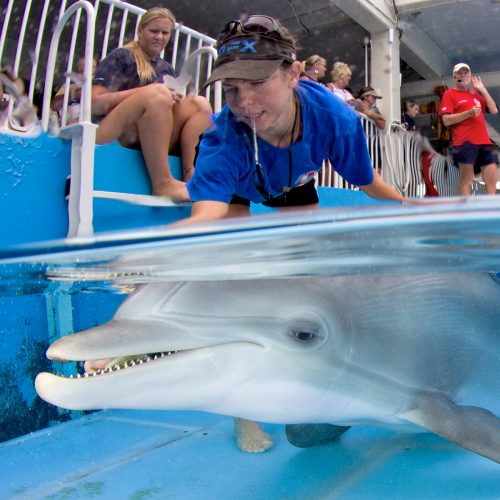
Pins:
x: 123, y: 363
x: 146, y: 381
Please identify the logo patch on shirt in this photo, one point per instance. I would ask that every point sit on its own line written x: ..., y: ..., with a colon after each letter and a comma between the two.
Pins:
x: 305, y: 178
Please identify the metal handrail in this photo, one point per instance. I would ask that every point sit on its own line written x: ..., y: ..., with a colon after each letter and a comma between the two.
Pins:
x: 85, y: 103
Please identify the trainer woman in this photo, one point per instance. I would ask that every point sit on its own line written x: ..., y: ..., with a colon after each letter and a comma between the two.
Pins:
x: 272, y: 136
x: 270, y: 139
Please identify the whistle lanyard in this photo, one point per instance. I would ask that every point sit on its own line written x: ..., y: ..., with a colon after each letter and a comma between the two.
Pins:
x: 258, y: 177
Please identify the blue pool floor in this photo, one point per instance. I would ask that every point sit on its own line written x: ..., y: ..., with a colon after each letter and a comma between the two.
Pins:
x: 180, y: 455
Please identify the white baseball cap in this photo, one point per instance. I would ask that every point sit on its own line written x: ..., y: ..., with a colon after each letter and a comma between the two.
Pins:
x: 459, y: 66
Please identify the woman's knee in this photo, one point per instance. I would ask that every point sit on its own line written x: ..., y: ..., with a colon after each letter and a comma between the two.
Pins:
x: 197, y: 104
x: 157, y: 94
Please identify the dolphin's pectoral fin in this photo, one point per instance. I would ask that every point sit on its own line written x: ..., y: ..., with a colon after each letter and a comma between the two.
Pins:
x: 470, y: 427
x: 307, y: 435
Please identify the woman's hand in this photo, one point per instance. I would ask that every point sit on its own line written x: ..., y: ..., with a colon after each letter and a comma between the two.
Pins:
x: 176, y: 96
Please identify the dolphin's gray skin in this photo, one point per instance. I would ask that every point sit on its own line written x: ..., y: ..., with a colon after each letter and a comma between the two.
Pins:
x: 387, y: 349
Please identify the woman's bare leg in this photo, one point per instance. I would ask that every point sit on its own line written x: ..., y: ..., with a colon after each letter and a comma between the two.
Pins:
x: 146, y: 118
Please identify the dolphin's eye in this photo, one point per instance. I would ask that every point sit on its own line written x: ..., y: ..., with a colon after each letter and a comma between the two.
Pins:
x: 304, y: 336
x: 305, y: 331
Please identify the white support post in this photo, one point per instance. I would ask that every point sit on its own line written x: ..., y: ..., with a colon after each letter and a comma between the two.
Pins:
x: 385, y: 72
x: 80, y: 207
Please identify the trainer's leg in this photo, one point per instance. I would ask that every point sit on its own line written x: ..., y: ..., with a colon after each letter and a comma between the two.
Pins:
x: 250, y: 437
x: 490, y: 178
x: 466, y: 172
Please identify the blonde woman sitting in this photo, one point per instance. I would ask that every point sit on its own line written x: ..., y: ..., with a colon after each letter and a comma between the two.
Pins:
x: 132, y: 105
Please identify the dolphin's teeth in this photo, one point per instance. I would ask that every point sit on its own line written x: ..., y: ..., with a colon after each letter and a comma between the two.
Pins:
x: 71, y: 376
x: 78, y: 376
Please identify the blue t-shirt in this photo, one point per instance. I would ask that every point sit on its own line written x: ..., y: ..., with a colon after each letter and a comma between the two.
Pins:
x: 225, y: 165
x: 118, y: 71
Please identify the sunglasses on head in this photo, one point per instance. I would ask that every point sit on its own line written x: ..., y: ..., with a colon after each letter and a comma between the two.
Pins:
x: 263, y: 25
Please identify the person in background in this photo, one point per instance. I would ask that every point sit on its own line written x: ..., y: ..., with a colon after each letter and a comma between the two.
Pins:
x: 341, y: 76
x: 411, y: 110
x: 443, y: 134
x: 134, y: 106
x: 22, y: 116
x: 462, y: 110
x: 75, y: 90
x: 368, y: 96
x: 270, y: 139
x: 314, y: 68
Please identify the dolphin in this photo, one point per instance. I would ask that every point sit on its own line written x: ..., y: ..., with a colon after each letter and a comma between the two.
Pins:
x: 384, y: 349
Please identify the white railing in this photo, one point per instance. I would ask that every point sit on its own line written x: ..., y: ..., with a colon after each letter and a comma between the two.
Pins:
x: 115, y: 22
x: 85, y: 103
x: 402, y: 166
x: 391, y: 152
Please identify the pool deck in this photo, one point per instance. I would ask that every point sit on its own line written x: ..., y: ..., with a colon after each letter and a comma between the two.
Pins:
x: 179, y: 455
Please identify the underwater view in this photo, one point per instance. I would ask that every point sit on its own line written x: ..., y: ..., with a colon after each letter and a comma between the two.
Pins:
x: 349, y: 317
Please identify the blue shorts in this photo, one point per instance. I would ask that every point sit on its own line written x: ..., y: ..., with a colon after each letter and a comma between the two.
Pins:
x: 478, y: 155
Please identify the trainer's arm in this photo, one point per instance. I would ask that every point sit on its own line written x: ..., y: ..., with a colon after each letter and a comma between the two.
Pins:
x: 205, y: 211
x: 379, y: 189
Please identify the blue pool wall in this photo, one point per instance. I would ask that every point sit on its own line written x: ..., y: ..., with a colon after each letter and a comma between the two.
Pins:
x: 33, y: 173
x: 28, y: 324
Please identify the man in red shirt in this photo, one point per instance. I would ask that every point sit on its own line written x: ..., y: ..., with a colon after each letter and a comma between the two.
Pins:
x: 462, y: 111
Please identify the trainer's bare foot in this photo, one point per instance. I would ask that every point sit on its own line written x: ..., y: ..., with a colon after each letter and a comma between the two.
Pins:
x: 175, y: 190
x: 250, y: 437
